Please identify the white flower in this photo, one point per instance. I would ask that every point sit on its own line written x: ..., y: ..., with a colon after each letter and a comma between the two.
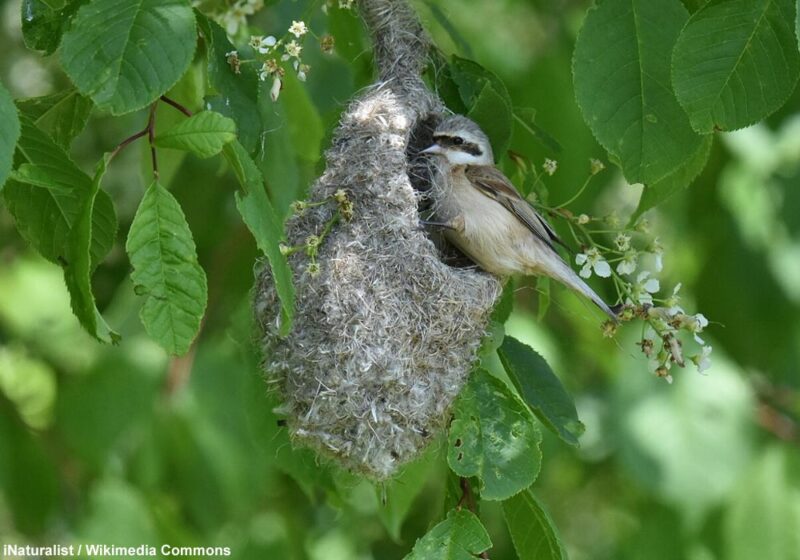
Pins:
x: 644, y: 287
x: 623, y: 242
x: 583, y: 219
x: 302, y: 70
x: 592, y: 259
x: 275, y: 90
x: 298, y: 28
x: 293, y: 48
x: 263, y: 44
x: 658, y: 252
x: 696, y: 324
x: 672, y: 302
x: 596, y: 166
x: 628, y: 263
x: 703, y: 360
x: 232, y: 20
x: 550, y: 166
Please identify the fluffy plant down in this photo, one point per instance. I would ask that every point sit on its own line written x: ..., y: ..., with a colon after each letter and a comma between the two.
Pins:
x: 385, y: 333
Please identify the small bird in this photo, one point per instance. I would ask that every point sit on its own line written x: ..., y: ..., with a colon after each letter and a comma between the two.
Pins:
x: 485, y: 217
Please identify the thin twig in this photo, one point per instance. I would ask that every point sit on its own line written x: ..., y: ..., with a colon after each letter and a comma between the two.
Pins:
x: 468, y: 499
x: 127, y: 141
x: 177, y: 105
x: 151, y: 136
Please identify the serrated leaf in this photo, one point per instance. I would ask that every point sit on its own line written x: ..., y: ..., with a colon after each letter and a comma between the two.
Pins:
x: 204, y: 134
x: 62, y: 115
x: 541, y: 390
x: 736, y: 62
x: 43, y: 23
x: 621, y: 67
x: 236, y: 94
x: 263, y: 222
x: 9, y: 133
x: 493, y: 436
x: 78, y: 264
x: 532, y: 532
x: 461, y: 536
x: 166, y: 271
x: 44, y: 216
x: 487, y: 101
x: 37, y: 177
x: 125, y: 54
x: 656, y: 193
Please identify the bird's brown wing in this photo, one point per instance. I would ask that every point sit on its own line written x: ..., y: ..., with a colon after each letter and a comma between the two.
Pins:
x: 491, y: 182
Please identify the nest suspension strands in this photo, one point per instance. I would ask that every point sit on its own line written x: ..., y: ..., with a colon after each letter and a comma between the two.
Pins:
x: 385, y: 333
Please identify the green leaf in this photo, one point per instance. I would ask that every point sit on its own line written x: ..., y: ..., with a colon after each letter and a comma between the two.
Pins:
x: 736, y: 62
x: 125, y: 54
x: 459, y: 537
x: 453, y: 32
x: 526, y: 118
x: 494, y: 116
x: 486, y: 99
x: 493, y: 436
x: 621, y: 67
x: 302, y: 118
x: 763, y: 519
x: 532, y: 531
x: 62, y: 115
x: 43, y: 24
x: 9, y: 133
x: 263, y: 222
x: 166, y: 271
x: 236, y: 94
x: 541, y: 389
x: 204, y: 134
x: 656, y: 193
x: 44, y: 217
x: 78, y: 264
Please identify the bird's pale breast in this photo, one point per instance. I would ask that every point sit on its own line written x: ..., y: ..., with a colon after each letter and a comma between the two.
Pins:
x: 491, y: 235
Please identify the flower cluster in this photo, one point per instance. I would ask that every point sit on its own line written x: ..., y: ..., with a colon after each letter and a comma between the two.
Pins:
x: 344, y: 211
x: 277, y: 51
x: 632, y: 258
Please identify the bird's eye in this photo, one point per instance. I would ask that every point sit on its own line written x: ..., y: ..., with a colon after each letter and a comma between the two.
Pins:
x: 458, y: 140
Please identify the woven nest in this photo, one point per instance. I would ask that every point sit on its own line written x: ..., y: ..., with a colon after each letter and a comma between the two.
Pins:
x: 385, y: 332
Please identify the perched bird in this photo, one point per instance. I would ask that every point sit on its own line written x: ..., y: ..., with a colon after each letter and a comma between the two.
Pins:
x: 485, y: 217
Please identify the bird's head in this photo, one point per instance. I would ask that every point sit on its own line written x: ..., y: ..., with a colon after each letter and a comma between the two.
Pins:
x: 461, y: 142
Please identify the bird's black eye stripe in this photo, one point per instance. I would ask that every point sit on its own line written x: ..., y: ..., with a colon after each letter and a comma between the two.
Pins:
x: 445, y: 140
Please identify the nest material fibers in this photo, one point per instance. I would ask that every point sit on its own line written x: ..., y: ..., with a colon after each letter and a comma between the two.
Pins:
x: 385, y: 333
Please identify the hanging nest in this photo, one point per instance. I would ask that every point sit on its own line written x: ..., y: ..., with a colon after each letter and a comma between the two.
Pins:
x: 385, y: 333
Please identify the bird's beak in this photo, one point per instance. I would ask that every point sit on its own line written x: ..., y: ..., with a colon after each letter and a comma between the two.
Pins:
x: 435, y: 149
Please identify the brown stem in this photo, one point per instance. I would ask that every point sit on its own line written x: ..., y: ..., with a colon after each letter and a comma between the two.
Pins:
x: 151, y: 136
x: 468, y: 499
x: 127, y: 141
x: 177, y: 105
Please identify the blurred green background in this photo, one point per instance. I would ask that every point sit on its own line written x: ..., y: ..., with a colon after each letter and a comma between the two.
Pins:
x: 124, y: 445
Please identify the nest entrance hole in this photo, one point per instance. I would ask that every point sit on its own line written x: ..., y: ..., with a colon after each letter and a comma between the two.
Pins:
x: 421, y: 173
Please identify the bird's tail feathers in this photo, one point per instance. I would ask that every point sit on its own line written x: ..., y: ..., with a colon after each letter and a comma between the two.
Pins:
x: 567, y: 276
